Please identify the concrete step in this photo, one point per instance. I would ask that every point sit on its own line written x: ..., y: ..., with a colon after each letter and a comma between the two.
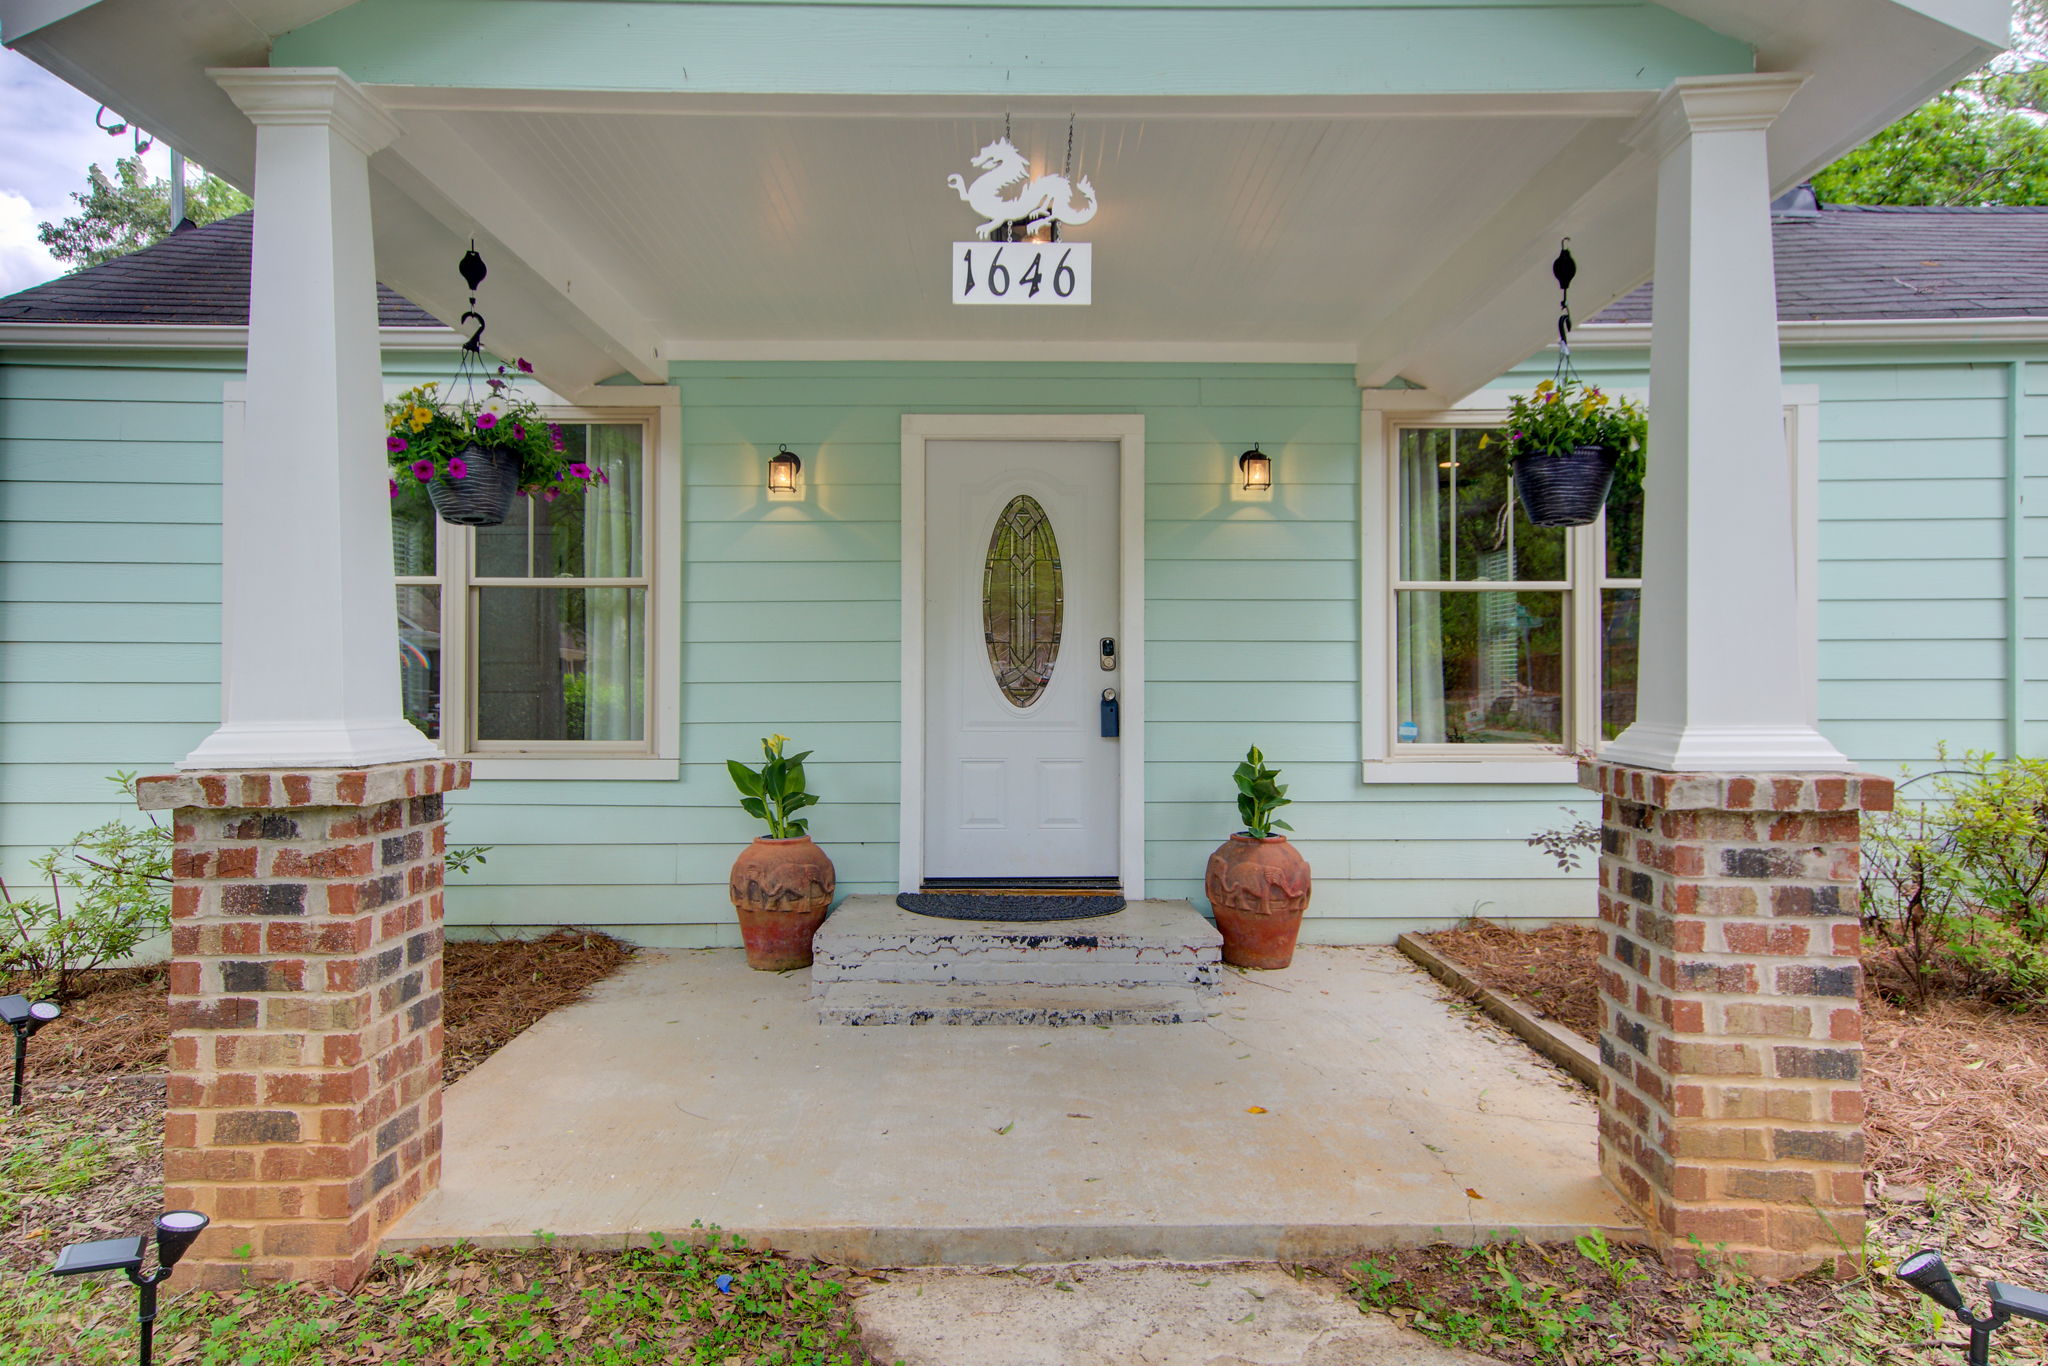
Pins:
x: 1164, y: 945
x: 901, y: 1003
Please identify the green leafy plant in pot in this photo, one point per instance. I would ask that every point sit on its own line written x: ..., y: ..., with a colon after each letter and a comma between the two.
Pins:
x: 782, y: 883
x: 1568, y: 443
x: 1258, y: 884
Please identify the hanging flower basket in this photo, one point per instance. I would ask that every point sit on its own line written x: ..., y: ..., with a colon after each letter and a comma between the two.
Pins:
x: 474, y: 454
x: 1566, y: 441
x: 477, y: 488
x: 1568, y: 488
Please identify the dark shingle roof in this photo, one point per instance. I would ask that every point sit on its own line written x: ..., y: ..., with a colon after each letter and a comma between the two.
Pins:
x: 1855, y: 261
x: 198, y: 277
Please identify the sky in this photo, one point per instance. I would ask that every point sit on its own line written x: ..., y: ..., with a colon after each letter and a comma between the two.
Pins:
x: 47, y: 139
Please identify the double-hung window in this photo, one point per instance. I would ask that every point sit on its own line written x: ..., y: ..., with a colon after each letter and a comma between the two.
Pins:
x: 1495, y: 648
x: 1506, y: 640
x: 536, y: 638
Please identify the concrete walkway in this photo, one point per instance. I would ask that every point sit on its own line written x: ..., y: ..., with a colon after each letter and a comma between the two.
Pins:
x: 1341, y: 1104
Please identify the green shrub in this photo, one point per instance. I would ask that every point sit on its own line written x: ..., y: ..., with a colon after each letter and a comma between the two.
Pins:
x: 1955, y: 885
x: 109, y: 889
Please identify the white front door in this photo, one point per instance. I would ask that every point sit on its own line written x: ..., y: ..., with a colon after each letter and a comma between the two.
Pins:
x: 1021, y: 591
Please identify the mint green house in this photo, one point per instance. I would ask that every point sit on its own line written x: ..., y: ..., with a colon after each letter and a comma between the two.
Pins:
x: 722, y: 230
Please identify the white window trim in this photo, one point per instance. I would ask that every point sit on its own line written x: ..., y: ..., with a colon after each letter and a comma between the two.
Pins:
x: 1386, y: 410
x: 661, y: 405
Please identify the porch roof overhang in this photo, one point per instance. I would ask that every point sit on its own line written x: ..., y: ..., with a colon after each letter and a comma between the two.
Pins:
x: 1369, y: 184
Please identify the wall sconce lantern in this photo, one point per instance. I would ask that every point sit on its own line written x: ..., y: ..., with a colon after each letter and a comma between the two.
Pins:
x: 1257, y: 468
x: 783, y: 469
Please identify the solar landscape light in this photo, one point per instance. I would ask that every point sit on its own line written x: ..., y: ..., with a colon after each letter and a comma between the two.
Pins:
x: 175, y: 1231
x: 1928, y: 1274
x: 24, y: 1018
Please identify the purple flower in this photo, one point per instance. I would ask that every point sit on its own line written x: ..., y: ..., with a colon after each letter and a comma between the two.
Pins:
x: 519, y: 493
x: 423, y: 470
x: 497, y: 385
x: 551, y: 494
x: 394, y: 488
x: 458, y: 468
x: 486, y: 421
x: 518, y: 432
x: 524, y: 368
x: 579, y: 470
x: 394, y: 444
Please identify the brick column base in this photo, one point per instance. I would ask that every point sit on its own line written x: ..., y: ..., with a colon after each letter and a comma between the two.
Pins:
x: 1731, y: 1101
x: 305, y: 1058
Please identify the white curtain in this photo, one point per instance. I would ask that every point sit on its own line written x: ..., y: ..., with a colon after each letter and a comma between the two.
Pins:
x: 614, y: 698
x: 1418, y: 616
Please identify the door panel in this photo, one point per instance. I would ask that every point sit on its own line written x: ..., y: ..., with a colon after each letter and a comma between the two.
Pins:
x: 1019, y: 781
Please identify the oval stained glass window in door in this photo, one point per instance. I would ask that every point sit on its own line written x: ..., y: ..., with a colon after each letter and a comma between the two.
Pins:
x: 1022, y: 600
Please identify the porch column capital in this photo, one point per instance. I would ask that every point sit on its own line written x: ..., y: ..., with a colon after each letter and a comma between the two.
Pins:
x: 309, y: 97
x: 1713, y: 104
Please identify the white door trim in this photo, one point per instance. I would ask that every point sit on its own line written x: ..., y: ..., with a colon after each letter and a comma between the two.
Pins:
x: 1128, y: 431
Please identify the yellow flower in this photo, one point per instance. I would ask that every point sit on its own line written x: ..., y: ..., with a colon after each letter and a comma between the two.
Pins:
x: 774, y: 743
x: 421, y: 417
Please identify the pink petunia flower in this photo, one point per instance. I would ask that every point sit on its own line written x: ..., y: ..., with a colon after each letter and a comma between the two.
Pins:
x: 579, y: 470
x: 524, y: 368
x: 394, y: 444
x: 518, y: 432
x: 486, y: 421
x: 458, y: 468
x: 551, y: 494
x: 394, y: 488
x: 423, y: 470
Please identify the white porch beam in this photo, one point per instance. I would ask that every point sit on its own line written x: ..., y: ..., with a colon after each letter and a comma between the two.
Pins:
x: 1721, y: 679
x: 309, y: 633
x: 476, y: 194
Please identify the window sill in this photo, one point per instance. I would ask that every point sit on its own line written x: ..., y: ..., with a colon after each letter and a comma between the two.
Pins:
x: 573, y: 768
x: 1564, y: 772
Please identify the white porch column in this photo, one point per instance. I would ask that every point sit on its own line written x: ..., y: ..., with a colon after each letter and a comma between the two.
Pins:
x: 309, y: 652
x: 1720, y: 678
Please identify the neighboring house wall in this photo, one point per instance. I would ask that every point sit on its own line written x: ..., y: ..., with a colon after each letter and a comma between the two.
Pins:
x: 108, y: 467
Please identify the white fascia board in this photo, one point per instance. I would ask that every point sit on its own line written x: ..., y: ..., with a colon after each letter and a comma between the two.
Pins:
x: 161, y: 337
x: 1156, y: 352
x: 1843, y: 332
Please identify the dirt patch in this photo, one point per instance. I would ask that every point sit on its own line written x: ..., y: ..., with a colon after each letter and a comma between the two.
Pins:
x: 1551, y: 969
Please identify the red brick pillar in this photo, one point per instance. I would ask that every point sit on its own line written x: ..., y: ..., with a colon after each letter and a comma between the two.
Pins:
x: 1731, y: 1100
x: 305, y: 1060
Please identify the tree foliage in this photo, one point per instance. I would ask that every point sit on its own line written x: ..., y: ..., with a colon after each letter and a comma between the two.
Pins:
x: 129, y: 212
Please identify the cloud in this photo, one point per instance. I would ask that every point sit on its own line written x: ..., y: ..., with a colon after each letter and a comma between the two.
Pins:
x: 23, y: 261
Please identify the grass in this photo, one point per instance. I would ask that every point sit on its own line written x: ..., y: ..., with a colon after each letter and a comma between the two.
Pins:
x: 698, y: 1300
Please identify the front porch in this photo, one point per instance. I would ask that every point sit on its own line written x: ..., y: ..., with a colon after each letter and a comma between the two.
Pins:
x: 1347, y: 1103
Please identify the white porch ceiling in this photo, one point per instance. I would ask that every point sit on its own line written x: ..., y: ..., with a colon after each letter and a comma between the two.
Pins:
x: 1409, y: 235
x: 775, y: 231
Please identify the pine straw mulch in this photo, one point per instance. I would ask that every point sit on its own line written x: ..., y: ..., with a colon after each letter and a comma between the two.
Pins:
x: 493, y: 990
x: 1549, y: 969
x: 81, y: 1159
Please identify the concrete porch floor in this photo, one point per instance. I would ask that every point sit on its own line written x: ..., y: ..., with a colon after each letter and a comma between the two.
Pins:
x: 689, y: 1088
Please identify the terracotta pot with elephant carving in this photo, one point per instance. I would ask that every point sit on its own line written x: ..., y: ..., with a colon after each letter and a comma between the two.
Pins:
x: 782, y: 890
x: 1258, y: 889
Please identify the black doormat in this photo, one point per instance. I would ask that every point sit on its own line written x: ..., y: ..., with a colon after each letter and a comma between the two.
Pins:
x: 1023, y: 909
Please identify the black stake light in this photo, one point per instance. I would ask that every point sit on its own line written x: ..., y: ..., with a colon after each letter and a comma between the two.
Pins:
x: 175, y: 1232
x: 24, y: 1018
x: 1928, y: 1274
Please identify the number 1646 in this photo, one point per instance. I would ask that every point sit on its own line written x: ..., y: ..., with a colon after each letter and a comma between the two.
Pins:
x: 1022, y: 273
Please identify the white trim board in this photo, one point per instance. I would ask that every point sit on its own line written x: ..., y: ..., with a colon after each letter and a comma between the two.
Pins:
x: 1128, y: 431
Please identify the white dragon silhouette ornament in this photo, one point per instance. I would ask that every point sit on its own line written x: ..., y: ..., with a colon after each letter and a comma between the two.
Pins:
x: 1043, y: 198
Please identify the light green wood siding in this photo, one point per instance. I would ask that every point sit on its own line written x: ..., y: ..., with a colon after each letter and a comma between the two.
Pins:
x: 109, y: 566
x: 1371, y: 48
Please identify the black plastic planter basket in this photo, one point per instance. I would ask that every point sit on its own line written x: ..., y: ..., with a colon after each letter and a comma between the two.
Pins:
x: 483, y: 497
x: 1565, y: 490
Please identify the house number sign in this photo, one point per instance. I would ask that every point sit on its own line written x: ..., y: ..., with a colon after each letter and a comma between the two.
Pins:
x: 1023, y: 273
